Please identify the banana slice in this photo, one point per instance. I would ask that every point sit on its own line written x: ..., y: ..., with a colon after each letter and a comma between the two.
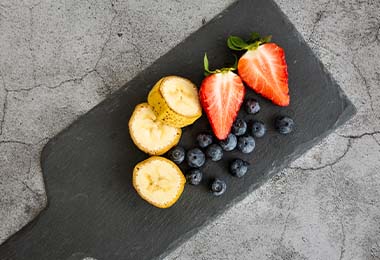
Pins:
x: 159, y: 181
x: 175, y: 101
x: 149, y: 134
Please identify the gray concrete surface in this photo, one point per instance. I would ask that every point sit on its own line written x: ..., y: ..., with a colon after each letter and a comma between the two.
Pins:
x: 60, y: 58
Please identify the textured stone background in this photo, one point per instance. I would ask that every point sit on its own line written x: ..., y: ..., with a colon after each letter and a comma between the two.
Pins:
x: 60, y: 58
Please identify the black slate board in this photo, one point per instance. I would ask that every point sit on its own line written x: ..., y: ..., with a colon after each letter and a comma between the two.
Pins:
x: 93, y: 209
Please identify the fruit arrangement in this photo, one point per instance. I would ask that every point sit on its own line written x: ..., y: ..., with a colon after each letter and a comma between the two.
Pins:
x: 174, y: 102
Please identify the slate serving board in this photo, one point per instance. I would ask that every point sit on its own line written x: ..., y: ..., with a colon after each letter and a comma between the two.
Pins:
x: 93, y: 209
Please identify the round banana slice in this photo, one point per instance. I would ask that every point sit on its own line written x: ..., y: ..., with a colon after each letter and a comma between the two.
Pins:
x: 159, y: 181
x: 175, y: 101
x: 149, y: 134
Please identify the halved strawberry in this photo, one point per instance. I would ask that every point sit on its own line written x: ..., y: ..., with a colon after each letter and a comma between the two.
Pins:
x: 221, y: 95
x: 263, y: 67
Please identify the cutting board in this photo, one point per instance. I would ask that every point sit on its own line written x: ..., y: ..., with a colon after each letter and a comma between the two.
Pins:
x: 93, y: 209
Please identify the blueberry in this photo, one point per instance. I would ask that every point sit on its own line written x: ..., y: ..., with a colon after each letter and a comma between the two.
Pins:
x: 251, y: 106
x: 239, y: 127
x: 195, y: 158
x: 284, y: 125
x: 229, y: 143
x: 177, y: 154
x: 204, y: 140
x: 214, y: 152
x: 246, y: 144
x: 218, y: 187
x: 238, y: 168
x: 258, y: 129
x: 194, y: 177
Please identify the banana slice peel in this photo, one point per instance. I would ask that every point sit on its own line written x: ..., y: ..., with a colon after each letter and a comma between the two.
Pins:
x: 150, y: 134
x: 158, y: 181
x: 175, y: 101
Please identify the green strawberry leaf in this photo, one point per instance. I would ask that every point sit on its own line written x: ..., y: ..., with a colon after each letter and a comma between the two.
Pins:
x: 236, y: 43
x: 266, y: 39
x: 255, y: 36
x: 231, y: 45
x: 205, y: 64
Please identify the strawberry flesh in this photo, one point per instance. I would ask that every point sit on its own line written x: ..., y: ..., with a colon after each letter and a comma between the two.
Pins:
x: 265, y: 71
x: 221, y: 95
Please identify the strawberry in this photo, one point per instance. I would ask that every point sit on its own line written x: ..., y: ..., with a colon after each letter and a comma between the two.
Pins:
x: 263, y: 67
x: 221, y: 95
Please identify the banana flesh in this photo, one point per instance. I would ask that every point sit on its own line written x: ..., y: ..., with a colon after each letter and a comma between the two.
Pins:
x: 149, y: 134
x: 158, y: 181
x: 181, y: 96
